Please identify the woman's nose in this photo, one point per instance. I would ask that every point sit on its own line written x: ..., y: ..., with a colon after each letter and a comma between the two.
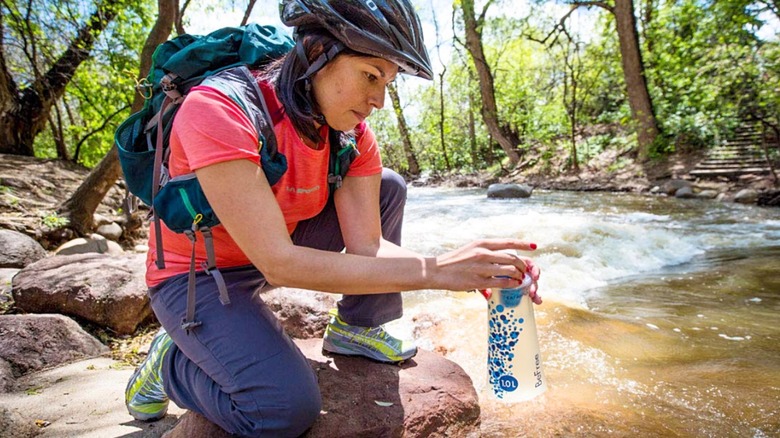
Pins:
x: 377, y: 99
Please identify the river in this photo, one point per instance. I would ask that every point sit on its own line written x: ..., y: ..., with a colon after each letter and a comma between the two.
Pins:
x: 661, y: 317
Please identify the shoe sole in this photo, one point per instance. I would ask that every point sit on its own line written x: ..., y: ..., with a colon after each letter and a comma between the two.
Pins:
x: 330, y: 348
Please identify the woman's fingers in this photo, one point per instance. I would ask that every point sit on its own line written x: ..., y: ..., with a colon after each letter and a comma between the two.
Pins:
x: 499, y: 244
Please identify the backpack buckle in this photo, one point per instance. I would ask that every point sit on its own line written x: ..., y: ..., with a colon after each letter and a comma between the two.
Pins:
x: 169, y: 88
x: 336, y: 180
x: 187, y: 326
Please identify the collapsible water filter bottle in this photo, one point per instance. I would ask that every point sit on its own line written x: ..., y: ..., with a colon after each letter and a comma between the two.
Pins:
x: 514, y: 362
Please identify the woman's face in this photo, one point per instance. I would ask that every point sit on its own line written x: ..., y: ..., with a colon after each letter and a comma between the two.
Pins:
x: 348, y: 88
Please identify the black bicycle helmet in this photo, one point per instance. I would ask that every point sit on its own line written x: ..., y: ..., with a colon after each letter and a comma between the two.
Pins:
x: 388, y: 29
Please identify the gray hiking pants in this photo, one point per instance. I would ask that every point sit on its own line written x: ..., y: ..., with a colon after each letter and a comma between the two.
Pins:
x: 239, y: 369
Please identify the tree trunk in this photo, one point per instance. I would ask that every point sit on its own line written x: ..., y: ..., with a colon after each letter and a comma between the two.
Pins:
x: 411, y: 159
x: 633, y: 71
x: 441, y: 121
x: 58, y: 136
x: 473, y: 133
x: 81, y: 206
x: 24, y: 113
x: 501, y: 133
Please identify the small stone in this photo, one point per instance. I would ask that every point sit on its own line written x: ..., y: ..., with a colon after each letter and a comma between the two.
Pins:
x: 111, y: 231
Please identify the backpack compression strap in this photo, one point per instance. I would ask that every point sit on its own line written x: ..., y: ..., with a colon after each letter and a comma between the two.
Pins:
x: 239, y: 85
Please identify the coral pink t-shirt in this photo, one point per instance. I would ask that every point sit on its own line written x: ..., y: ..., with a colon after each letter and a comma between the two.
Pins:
x: 210, y: 128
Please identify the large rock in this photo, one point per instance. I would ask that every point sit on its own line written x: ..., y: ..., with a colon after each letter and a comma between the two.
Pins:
x: 302, y: 313
x: 429, y: 396
x: 108, y: 291
x: 671, y: 186
x: 707, y: 194
x: 19, y: 250
x: 746, y: 196
x: 95, y: 243
x: 34, y: 342
x: 685, y: 193
x: 509, y: 191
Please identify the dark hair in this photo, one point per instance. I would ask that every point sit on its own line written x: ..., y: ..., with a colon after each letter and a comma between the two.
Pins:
x: 298, y: 102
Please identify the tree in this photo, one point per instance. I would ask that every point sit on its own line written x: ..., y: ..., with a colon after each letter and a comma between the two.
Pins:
x: 642, y: 111
x: 411, y: 159
x: 25, y: 108
x: 81, y: 206
x: 506, y: 137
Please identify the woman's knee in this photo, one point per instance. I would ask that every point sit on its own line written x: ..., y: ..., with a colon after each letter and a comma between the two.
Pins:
x: 393, y: 186
x: 292, y: 409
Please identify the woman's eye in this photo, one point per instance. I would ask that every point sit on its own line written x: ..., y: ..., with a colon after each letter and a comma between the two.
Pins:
x: 371, y: 77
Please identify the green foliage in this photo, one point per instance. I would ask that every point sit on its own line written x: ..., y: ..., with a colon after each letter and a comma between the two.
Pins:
x: 701, y: 64
x: 37, y: 33
x: 53, y: 220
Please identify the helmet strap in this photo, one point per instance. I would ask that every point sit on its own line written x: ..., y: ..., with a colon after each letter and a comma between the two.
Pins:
x: 321, y: 60
x: 313, y: 68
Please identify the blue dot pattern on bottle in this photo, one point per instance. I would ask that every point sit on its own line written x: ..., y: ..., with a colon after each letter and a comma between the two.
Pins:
x: 504, y: 330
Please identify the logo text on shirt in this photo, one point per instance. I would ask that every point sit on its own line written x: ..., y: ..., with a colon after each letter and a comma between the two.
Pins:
x: 302, y: 190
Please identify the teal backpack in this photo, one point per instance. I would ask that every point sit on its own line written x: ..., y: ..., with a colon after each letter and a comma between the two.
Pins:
x: 220, y: 60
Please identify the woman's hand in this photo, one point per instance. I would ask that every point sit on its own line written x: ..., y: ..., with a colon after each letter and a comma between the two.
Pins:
x: 486, y: 264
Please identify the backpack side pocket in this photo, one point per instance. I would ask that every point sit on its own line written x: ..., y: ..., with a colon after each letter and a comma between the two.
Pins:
x: 181, y: 203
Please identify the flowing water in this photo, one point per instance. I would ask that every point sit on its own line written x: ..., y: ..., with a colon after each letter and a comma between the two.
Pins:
x: 661, y: 317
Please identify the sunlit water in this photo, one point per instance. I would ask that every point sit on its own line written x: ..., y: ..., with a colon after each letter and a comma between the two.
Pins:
x: 660, y: 316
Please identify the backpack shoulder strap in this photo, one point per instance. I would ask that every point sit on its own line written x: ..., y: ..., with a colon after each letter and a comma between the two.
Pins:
x: 274, y: 108
x: 240, y: 85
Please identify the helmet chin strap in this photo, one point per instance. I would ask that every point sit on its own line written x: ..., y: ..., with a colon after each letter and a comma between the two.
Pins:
x: 313, y: 68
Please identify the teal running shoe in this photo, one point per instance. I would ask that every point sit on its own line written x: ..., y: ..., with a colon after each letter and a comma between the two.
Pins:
x: 371, y: 342
x: 145, y: 396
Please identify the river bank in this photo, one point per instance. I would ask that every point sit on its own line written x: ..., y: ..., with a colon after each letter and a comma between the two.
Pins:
x: 609, y: 173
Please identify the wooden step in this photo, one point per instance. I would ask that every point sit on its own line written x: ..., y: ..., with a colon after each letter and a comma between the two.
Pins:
x: 713, y: 164
x: 728, y: 172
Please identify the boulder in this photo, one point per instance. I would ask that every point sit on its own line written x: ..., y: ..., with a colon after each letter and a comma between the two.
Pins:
x: 34, y: 342
x: 684, y: 193
x: 107, y: 291
x: 19, y: 250
x: 509, y: 191
x: 707, y: 194
x: 746, y: 196
x: 302, y: 313
x: 428, y: 396
x: 673, y: 185
x: 96, y: 243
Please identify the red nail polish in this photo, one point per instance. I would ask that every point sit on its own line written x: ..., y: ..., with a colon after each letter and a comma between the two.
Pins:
x: 533, y: 246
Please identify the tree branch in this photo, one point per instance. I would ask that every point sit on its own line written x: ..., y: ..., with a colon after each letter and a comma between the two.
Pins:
x: 481, y: 18
x: 602, y: 5
x: 53, y: 83
x: 95, y: 131
x: 248, y: 11
x: 179, y: 21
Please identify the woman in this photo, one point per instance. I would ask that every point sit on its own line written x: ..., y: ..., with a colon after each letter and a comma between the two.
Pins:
x: 238, y: 368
